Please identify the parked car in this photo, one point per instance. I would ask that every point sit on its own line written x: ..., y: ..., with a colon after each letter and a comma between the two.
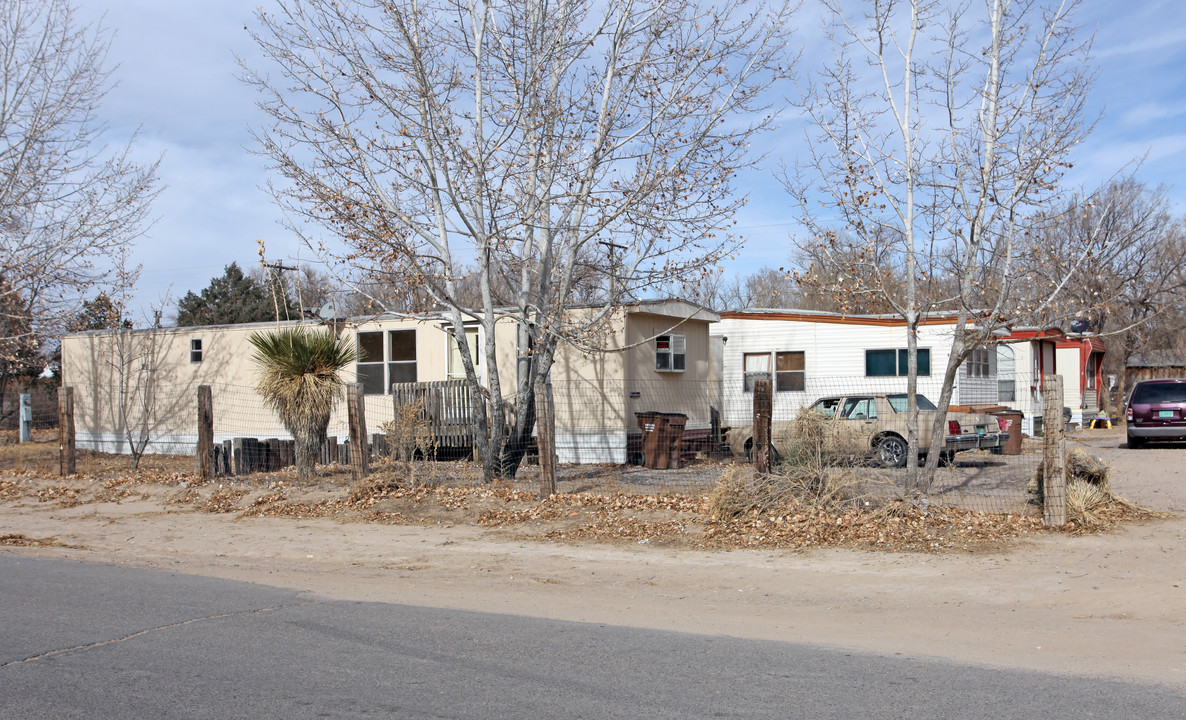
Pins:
x: 1156, y: 411
x: 875, y: 426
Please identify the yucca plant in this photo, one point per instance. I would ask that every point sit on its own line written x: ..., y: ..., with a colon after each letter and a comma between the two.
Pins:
x: 299, y: 380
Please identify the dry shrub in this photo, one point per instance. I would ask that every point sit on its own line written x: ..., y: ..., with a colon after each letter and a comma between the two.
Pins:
x: 1090, y: 500
x: 820, y: 472
x: 410, y: 433
x: 818, y: 442
x: 822, y: 466
x: 742, y: 491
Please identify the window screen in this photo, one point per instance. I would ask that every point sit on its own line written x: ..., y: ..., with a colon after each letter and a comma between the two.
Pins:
x: 888, y: 363
x: 401, y: 357
x: 881, y: 363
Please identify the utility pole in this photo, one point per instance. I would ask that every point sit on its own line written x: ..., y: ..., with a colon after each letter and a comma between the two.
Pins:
x: 610, y: 247
x: 274, y: 282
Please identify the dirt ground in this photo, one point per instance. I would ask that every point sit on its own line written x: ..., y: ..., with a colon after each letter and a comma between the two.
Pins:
x: 1105, y: 604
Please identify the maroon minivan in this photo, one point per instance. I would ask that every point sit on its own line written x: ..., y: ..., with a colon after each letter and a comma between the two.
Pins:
x: 1157, y: 411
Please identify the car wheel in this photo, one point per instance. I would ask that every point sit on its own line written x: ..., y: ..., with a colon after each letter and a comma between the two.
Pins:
x: 946, y: 458
x: 891, y: 451
x: 1135, y: 442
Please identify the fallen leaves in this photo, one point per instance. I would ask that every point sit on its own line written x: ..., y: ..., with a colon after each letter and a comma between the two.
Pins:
x: 667, y: 518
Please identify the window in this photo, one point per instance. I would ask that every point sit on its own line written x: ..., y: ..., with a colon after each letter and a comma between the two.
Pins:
x: 1006, y: 374
x: 789, y: 372
x: 401, y: 356
x: 195, y: 350
x: 757, y: 367
x: 888, y: 363
x: 978, y: 363
x: 456, y: 367
x: 827, y: 406
x: 670, y: 353
x: 901, y: 404
x: 859, y: 408
x: 385, y: 358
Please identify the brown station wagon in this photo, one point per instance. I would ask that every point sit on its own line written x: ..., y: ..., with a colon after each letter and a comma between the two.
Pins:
x: 876, y: 425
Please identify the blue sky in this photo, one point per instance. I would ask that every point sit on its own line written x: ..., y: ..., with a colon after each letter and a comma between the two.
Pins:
x: 178, y: 86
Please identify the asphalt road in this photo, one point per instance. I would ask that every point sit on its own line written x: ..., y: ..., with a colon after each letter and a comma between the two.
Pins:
x: 81, y: 640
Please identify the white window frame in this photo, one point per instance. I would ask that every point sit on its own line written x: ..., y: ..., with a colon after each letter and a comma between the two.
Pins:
x: 458, y: 373
x: 195, y: 351
x: 676, y: 353
x: 748, y: 376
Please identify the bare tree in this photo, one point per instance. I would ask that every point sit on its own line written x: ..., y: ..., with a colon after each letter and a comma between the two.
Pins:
x: 512, y: 136
x: 937, y: 134
x: 1130, y: 283
x: 67, y: 204
x: 135, y: 359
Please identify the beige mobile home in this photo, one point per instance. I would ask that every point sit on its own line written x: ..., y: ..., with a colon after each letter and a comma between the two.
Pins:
x: 651, y: 355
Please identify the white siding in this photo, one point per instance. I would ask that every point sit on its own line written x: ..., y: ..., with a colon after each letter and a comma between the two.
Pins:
x: 834, y: 359
x: 1067, y: 362
x: 978, y: 390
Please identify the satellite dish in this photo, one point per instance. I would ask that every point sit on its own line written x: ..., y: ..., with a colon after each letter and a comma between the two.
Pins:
x: 327, y: 312
x: 1080, y: 326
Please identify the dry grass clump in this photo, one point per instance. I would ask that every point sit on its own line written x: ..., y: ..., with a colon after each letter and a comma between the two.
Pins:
x: 818, y: 472
x: 383, y: 481
x: 1091, y: 504
x: 741, y: 491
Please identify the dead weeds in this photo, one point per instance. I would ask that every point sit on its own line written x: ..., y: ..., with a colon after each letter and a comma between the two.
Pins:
x: 742, y: 512
x: 22, y: 540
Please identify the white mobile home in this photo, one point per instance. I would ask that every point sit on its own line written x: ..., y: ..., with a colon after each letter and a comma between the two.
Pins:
x: 809, y: 355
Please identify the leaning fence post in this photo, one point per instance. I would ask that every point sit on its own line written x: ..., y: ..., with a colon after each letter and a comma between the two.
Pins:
x: 205, y: 432
x: 545, y: 439
x: 763, y: 404
x: 1054, y: 480
x: 26, y: 417
x: 66, y: 462
x: 355, y: 410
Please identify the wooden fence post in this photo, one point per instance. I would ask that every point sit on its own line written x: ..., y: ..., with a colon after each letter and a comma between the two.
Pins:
x: 66, y: 459
x: 545, y: 425
x: 355, y: 410
x: 1054, y: 479
x: 205, y: 432
x: 763, y: 409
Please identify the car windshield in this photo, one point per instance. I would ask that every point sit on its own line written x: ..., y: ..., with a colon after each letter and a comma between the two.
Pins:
x: 899, y: 403
x: 1155, y: 393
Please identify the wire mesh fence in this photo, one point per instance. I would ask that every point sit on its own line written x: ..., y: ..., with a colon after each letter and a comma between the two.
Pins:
x: 663, y: 435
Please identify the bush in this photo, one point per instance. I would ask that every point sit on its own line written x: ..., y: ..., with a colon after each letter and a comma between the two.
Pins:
x: 410, y: 433
x: 818, y: 472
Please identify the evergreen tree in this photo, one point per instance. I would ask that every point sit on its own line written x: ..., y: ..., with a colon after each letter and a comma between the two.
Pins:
x: 99, y: 314
x: 233, y: 298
